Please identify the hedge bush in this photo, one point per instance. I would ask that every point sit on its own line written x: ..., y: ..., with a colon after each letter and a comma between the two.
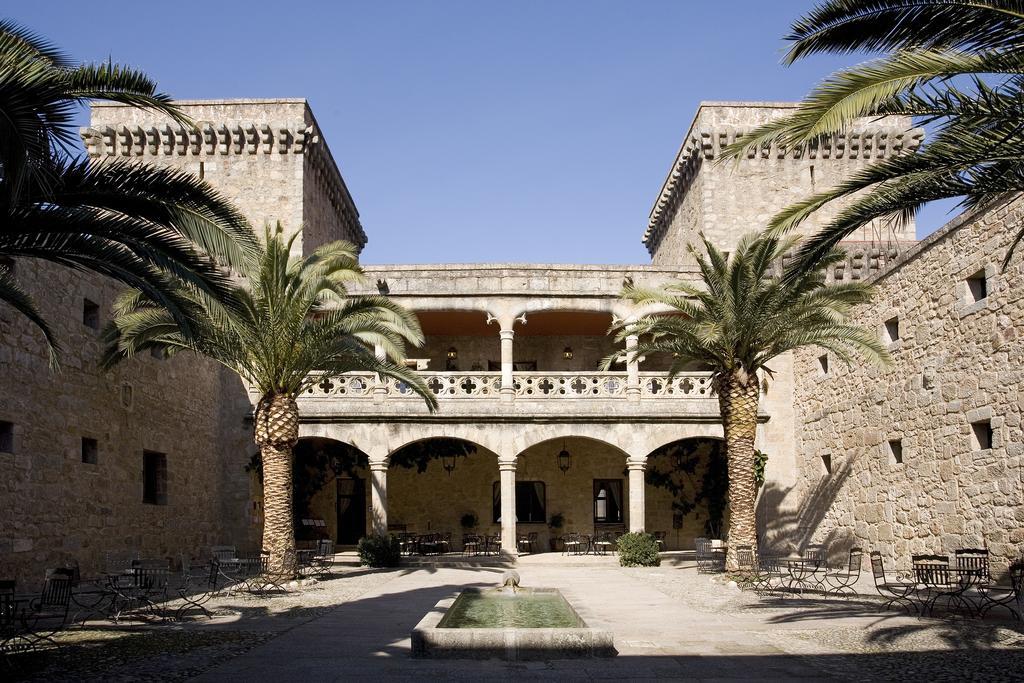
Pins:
x: 638, y: 550
x: 379, y: 551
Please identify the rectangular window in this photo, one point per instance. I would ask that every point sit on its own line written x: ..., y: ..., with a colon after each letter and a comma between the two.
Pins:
x: 531, y: 502
x: 892, y: 330
x: 91, y: 314
x: 977, y: 287
x: 894, y: 448
x: 608, y: 500
x: 6, y: 437
x: 90, y: 451
x: 154, y: 478
x: 981, y: 435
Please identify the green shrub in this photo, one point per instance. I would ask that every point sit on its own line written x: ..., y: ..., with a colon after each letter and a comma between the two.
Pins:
x: 379, y: 551
x: 638, y: 550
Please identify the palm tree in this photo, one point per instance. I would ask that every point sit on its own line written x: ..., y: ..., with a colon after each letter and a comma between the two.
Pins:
x: 957, y: 65
x: 743, y: 315
x: 141, y: 225
x: 290, y: 325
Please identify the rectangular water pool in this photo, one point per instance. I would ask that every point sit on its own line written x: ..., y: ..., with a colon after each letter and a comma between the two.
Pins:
x: 534, y: 623
x: 507, y: 609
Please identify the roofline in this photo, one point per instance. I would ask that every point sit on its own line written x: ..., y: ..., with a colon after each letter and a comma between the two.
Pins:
x: 192, y: 103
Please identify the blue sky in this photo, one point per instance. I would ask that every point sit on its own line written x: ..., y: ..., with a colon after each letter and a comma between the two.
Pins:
x: 471, y: 131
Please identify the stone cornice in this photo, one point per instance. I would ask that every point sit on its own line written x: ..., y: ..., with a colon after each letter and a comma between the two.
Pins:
x: 205, y: 140
x: 871, y: 141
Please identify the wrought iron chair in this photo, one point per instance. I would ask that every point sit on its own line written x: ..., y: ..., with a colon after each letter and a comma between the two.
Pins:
x: 746, y: 566
x: 574, y: 544
x: 47, y: 614
x: 471, y: 544
x: 528, y: 540
x: 604, y: 542
x: 709, y: 560
x: 1009, y: 597
x: 12, y: 622
x: 772, y: 575
x: 659, y: 539
x: 323, y: 560
x: 893, y: 590
x: 841, y: 581
x: 940, y: 580
x: 200, y: 581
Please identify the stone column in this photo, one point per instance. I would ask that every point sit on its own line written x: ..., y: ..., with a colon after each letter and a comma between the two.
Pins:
x: 379, y: 390
x: 637, y: 507
x: 379, y: 496
x: 507, y: 473
x: 632, y: 370
x: 507, y: 388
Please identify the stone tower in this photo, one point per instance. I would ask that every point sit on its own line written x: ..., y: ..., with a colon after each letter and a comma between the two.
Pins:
x: 728, y: 200
x: 268, y: 157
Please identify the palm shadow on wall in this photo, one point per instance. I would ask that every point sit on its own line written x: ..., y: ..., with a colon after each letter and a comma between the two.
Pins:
x: 786, y: 527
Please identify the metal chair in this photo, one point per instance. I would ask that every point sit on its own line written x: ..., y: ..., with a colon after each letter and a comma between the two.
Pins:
x: 841, y: 581
x: 200, y: 581
x: 47, y: 614
x: 574, y: 544
x: 709, y: 560
x: 323, y: 560
x: 659, y: 538
x: 1008, y: 597
x: 939, y: 580
x: 894, y: 590
x: 471, y: 544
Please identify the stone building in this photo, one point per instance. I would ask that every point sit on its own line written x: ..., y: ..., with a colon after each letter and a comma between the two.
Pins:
x: 153, y: 455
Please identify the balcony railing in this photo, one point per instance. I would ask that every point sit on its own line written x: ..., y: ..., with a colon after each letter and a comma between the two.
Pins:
x: 526, y: 386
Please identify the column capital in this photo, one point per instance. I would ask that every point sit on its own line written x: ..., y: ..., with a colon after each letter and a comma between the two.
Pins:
x: 636, y: 464
x: 507, y: 334
x: 506, y: 464
x: 379, y: 465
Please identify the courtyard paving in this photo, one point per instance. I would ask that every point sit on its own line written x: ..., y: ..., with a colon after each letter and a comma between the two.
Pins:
x: 669, y: 622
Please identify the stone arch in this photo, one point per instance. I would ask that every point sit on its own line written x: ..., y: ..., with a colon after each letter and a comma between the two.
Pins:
x: 330, y: 489
x: 686, y: 481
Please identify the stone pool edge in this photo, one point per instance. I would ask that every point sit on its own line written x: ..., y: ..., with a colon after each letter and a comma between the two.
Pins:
x: 511, y: 644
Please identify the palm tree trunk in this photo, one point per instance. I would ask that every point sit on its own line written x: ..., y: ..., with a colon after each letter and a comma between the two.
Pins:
x: 276, y: 433
x: 738, y: 395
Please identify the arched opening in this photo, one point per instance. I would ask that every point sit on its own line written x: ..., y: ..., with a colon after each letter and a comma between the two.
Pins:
x: 442, y: 485
x: 563, y: 341
x: 686, y: 486
x: 582, y: 485
x: 330, y: 480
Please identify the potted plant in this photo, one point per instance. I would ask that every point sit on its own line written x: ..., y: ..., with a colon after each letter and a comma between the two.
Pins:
x: 556, y: 523
x: 468, y: 521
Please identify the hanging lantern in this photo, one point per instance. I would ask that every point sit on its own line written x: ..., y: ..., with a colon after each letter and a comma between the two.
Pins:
x: 453, y: 353
x: 448, y: 462
x: 564, y: 460
x: 567, y: 353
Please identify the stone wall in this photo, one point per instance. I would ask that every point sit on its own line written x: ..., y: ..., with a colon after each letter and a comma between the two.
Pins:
x: 268, y: 157
x: 726, y: 200
x: 58, y: 508
x: 956, y: 363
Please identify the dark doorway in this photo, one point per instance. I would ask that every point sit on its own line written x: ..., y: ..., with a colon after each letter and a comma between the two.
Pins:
x: 351, y: 510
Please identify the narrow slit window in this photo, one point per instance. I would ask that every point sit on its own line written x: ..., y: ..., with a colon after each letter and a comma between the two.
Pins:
x: 977, y: 287
x: 90, y: 451
x: 826, y: 463
x: 91, y: 314
x: 895, y: 450
x: 6, y: 437
x: 823, y: 363
x: 981, y: 435
x: 892, y: 330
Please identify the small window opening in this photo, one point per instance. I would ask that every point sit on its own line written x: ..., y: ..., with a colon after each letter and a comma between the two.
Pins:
x: 91, y: 314
x: 895, y: 449
x: 202, y: 170
x: 892, y: 329
x: 826, y: 463
x: 981, y: 435
x: 6, y: 437
x: 90, y: 451
x: 977, y: 287
x: 823, y: 363
x: 154, y: 478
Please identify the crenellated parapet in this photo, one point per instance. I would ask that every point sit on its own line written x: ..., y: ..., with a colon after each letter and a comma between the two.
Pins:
x: 706, y: 144
x: 205, y: 139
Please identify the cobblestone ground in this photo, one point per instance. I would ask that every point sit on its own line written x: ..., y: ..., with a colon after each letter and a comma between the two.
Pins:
x: 175, y: 651
x: 669, y: 622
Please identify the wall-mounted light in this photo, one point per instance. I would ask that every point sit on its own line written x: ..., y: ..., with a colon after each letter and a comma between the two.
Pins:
x: 448, y: 463
x: 567, y: 353
x: 453, y: 353
x: 564, y: 460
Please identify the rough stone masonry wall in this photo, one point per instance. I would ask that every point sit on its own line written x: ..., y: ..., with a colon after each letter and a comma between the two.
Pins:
x: 57, y: 508
x: 726, y: 200
x: 268, y: 157
x: 955, y: 363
